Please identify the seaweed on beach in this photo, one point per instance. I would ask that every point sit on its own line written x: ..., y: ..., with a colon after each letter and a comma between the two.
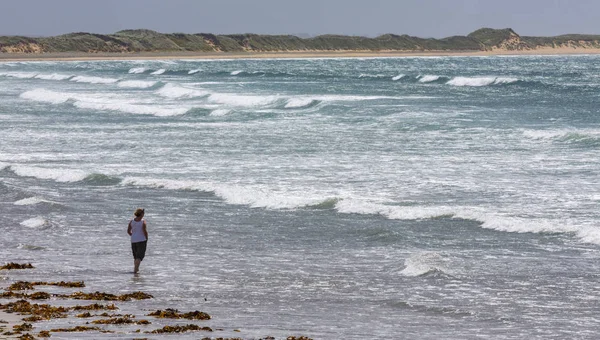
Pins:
x: 95, y: 306
x: 23, y: 327
x: 174, y: 314
x: 180, y: 329
x: 26, y: 285
x: 20, y: 285
x: 68, y: 284
x: 37, y: 311
x: 108, y: 296
x: 298, y: 338
x: 44, y: 334
x: 13, y: 265
x: 34, y: 296
x: 120, y: 321
x: 26, y: 336
x: 77, y: 329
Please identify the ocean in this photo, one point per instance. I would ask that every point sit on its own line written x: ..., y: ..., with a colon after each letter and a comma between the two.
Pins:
x: 349, y: 198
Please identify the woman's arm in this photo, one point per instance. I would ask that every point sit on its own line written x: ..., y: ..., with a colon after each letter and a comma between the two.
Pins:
x: 129, y: 228
x: 145, y: 231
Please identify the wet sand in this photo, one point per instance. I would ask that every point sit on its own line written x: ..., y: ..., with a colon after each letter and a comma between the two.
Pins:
x: 11, y: 319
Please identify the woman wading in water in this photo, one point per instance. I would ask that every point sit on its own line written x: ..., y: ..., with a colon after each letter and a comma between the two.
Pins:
x: 139, y: 237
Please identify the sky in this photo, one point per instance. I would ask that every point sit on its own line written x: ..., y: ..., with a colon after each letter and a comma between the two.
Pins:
x: 423, y: 18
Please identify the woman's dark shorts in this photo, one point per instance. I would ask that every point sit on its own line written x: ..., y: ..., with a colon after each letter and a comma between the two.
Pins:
x: 139, y: 249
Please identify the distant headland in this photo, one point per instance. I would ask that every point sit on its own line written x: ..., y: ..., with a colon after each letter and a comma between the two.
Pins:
x: 148, y: 43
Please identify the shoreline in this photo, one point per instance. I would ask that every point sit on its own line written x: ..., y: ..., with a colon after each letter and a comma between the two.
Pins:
x: 76, y: 56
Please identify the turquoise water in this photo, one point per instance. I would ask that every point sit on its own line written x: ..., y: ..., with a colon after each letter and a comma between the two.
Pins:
x: 426, y: 197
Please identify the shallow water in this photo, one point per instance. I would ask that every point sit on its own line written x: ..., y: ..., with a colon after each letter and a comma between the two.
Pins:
x: 448, y: 197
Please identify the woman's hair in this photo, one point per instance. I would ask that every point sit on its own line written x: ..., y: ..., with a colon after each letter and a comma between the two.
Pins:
x: 138, y: 212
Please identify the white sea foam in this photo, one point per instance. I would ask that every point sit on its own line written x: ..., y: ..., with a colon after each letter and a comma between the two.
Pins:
x: 29, y: 201
x: 136, y: 70
x: 233, y: 194
x: 59, y: 175
x: 398, y: 77
x: 175, y: 91
x: 94, y: 80
x: 428, y: 78
x: 19, y: 75
x: 47, y: 96
x: 235, y: 73
x: 35, y: 222
x: 298, y: 102
x: 157, y: 72
x: 127, y: 107
x: 53, y: 76
x: 194, y: 71
x: 480, y: 81
x: 141, y: 84
x: 241, y: 100
x: 423, y: 263
x: 220, y: 112
x: 3, y: 166
x: 365, y: 75
x: 563, y: 134
x: 353, y: 206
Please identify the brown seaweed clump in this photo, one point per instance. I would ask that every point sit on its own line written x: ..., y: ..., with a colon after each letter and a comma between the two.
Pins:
x: 23, y: 327
x: 298, y: 338
x: 12, y: 265
x: 25, y: 285
x: 26, y: 336
x: 95, y: 306
x: 77, y: 329
x: 44, y: 334
x: 20, y: 285
x: 120, y: 321
x: 38, y: 312
x: 174, y: 314
x: 33, y: 296
x: 180, y: 329
x: 68, y: 284
x: 108, y: 296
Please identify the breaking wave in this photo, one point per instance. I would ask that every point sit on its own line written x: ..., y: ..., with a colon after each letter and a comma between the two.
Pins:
x: 94, y: 80
x: 46, y: 96
x: 220, y: 112
x: 160, y: 71
x: 137, y: 70
x: 35, y: 222
x: 296, y: 103
x: 175, y: 91
x: 30, y: 201
x: 423, y: 263
x: 140, y: 84
x: 53, y: 76
x: 430, y: 78
x: 481, y: 81
x: 101, y: 179
x: 126, y: 107
x: 103, y: 103
x: 58, y: 175
x: 580, y: 138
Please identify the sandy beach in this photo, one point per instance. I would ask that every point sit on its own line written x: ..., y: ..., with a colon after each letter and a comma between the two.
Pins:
x: 283, y: 54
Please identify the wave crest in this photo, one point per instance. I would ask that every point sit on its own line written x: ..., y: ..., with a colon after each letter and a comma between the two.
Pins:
x: 480, y: 81
x: 423, y: 263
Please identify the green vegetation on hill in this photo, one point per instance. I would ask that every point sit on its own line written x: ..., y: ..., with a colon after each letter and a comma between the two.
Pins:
x: 141, y: 40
